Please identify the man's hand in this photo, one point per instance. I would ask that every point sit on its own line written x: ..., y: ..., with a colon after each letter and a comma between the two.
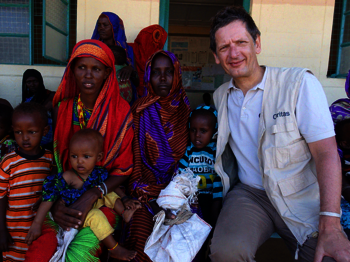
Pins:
x: 33, y: 233
x: 331, y: 241
x: 5, y: 240
x: 66, y: 217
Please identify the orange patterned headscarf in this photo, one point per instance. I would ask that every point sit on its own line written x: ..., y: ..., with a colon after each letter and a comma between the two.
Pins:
x: 150, y: 40
x: 110, y: 116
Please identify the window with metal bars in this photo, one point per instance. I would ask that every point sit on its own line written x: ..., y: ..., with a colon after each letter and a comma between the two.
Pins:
x: 37, y: 32
x: 339, y: 58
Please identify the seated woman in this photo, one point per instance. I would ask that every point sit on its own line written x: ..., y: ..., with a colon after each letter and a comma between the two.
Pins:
x: 161, y: 135
x: 150, y: 40
x: 110, y: 30
x: 33, y: 90
x: 88, y: 97
x: 340, y: 111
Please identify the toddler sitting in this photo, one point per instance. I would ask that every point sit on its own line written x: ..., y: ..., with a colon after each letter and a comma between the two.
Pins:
x: 86, y: 149
x: 127, y: 79
x: 200, y: 158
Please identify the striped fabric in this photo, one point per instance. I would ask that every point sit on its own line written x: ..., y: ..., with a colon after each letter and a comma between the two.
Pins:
x: 160, y: 139
x: 201, y: 162
x: 21, y: 177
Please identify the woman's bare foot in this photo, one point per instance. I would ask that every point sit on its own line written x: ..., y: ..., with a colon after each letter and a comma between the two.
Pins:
x: 122, y: 253
x: 128, y: 213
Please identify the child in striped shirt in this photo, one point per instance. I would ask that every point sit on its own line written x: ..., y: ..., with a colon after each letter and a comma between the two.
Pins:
x: 200, y: 158
x: 21, y: 178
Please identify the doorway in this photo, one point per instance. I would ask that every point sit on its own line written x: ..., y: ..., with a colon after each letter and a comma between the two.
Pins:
x: 188, y: 26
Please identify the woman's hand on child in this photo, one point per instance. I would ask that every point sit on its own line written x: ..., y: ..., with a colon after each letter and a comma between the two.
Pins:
x: 5, y: 241
x: 66, y: 217
x: 33, y: 233
x: 125, y: 73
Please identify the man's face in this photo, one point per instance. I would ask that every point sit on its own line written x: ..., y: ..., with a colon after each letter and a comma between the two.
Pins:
x: 236, y: 50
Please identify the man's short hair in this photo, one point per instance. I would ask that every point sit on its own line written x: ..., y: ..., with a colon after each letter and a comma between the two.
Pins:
x: 228, y: 15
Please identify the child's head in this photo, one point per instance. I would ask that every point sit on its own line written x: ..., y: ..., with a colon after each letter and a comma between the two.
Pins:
x: 29, y: 124
x: 162, y: 75
x: 5, y: 120
x: 203, y: 125
x: 85, y: 150
x: 119, y: 55
x: 342, y: 134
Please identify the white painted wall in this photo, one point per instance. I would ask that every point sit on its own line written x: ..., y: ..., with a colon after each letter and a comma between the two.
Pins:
x: 298, y: 33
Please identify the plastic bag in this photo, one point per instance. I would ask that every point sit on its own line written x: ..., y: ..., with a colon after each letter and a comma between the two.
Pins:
x: 182, y: 189
x: 179, y: 242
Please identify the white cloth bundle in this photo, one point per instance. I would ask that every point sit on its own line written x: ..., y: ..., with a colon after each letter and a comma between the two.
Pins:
x: 64, y: 238
x: 179, y: 242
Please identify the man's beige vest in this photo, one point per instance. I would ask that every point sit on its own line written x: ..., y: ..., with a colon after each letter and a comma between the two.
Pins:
x: 289, y: 172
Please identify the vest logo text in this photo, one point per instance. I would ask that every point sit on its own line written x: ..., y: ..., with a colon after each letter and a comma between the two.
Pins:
x: 281, y: 114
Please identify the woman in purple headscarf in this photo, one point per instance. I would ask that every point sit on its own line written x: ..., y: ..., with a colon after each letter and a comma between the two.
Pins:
x: 340, y: 111
x: 110, y: 30
x: 160, y: 139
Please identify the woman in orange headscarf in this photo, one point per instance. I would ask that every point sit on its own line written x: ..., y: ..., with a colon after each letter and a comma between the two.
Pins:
x: 88, y: 97
x: 150, y: 40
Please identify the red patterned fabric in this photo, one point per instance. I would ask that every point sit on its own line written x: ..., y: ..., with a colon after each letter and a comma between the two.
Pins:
x: 148, y: 41
x: 111, y: 114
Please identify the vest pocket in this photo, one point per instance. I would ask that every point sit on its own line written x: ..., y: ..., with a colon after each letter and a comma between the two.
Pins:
x: 301, y: 194
x: 291, y: 154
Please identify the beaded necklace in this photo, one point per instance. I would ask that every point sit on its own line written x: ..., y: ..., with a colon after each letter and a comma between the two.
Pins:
x: 81, y: 179
x: 81, y: 113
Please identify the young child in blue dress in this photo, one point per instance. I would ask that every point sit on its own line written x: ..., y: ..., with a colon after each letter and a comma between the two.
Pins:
x: 86, y: 149
x: 127, y: 82
x: 200, y: 158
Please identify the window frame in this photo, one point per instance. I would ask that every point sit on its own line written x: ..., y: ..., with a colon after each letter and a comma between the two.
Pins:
x: 46, y: 23
x: 29, y: 36
x: 164, y: 15
x: 341, y: 43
